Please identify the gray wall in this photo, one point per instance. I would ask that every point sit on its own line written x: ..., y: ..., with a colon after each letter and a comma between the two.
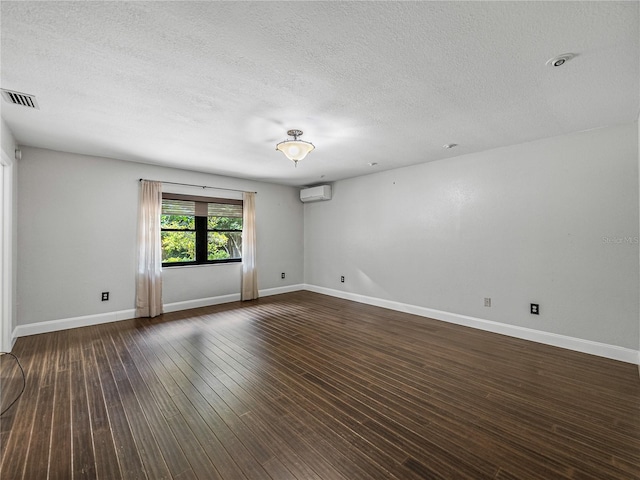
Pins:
x: 77, y: 236
x: 553, y: 222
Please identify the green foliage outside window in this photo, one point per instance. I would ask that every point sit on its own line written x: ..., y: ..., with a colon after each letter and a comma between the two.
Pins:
x: 225, y: 244
x: 178, y: 246
x: 224, y: 238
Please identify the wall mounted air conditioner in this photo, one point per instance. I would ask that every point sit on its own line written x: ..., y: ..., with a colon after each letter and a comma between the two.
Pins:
x: 315, y: 194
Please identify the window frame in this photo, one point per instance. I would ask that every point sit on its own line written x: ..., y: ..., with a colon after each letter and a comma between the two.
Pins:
x: 201, y: 230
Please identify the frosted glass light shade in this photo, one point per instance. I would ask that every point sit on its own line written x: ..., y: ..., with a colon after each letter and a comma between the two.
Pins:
x: 295, y: 150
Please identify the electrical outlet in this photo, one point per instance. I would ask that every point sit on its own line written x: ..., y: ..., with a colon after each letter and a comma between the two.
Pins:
x: 282, y: 275
x: 342, y: 279
x: 535, y: 309
x: 487, y: 301
x: 105, y: 296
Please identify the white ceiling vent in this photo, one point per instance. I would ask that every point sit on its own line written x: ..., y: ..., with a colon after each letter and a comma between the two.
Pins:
x: 18, y: 98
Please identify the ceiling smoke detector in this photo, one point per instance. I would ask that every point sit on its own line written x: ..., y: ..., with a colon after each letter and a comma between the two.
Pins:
x: 17, y: 98
x: 560, y: 59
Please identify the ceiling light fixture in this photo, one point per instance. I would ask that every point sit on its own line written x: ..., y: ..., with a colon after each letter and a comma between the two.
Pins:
x: 295, y: 150
x: 450, y: 145
x: 560, y: 59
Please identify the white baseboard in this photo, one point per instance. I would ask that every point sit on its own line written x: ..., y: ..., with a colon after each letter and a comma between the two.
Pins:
x: 233, y: 297
x: 571, y: 343
x: 74, y: 322
x: 200, y: 302
x: 87, y: 320
x: 278, y: 290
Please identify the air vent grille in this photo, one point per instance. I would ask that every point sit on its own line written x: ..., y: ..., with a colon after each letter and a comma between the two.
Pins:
x: 18, y: 98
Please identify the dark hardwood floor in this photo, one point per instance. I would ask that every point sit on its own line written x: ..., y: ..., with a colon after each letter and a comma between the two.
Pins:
x: 305, y: 386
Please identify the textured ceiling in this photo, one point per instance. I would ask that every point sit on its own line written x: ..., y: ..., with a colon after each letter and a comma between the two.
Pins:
x: 213, y: 86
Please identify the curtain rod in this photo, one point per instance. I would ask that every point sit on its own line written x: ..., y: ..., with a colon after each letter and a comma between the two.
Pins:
x: 199, y: 186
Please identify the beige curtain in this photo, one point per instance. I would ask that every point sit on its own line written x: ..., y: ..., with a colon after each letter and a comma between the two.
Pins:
x: 249, y: 272
x: 149, y: 273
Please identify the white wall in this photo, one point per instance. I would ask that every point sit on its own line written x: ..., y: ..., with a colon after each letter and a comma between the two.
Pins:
x: 553, y: 222
x: 77, y: 231
x: 8, y: 142
x: 8, y: 232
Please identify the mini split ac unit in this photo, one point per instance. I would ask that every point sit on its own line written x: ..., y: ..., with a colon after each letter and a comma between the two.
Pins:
x: 315, y: 194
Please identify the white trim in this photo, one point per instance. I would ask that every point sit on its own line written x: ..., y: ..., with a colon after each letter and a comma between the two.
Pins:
x: 6, y: 256
x: 278, y: 290
x: 571, y: 343
x: 233, y: 297
x: 5, y: 159
x: 200, y: 302
x: 74, y: 322
x: 87, y: 320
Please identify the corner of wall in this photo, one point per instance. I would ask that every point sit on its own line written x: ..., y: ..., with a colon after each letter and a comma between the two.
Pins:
x: 8, y: 142
x: 8, y: 240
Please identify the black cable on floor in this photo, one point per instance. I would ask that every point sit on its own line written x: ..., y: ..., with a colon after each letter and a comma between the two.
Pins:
x: 24, y: 382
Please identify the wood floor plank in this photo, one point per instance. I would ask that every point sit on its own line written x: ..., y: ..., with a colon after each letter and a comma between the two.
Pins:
x: 83, y: 458
x: 168, y: 445
x: 305, y: 386
x: 199, y: 426
x: 410, y: 410
x: 277, y: 424
x: 10, y: 387
x: 200, y: 395
x: 552, y: 462
x: 284, y: 452
x: 13, y: 444
x: 145, y: 443
x: 157, y: 380
x: 201, y: 466
x: 186, y: 475
x: 299, y: 406
x: 128, y: 453
x: 60, y: 461
x: 488, y: 471
x: 37, y: 461
x: 22, y: 441
x: 220, y: 456
x: 104, y: 448
x: 277, y: 470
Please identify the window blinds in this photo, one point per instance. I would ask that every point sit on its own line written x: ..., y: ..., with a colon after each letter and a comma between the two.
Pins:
x: 178, y: 207
x: 224, y: 210
x: 213, y: 208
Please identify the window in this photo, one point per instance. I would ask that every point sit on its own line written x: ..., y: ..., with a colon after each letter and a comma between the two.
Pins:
x: 200, y: 230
